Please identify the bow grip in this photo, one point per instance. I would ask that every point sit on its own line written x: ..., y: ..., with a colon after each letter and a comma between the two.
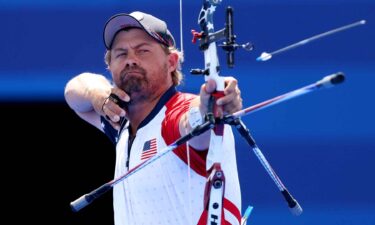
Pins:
x: 219, y: 128
x: 217, y: 108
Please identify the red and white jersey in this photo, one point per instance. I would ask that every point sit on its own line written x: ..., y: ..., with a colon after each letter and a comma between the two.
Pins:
x: 167, y: 191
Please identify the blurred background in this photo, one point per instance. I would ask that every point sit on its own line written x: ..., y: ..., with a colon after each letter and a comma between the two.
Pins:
x: 322, y: 145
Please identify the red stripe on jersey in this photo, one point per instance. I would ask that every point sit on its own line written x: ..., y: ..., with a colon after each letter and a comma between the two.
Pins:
x: 203, y: 218
x: 176, y: 107
x: 232, y: 208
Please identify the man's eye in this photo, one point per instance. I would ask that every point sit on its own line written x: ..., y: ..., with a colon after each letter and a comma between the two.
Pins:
x: 120, y: 55
x: 142, y: 51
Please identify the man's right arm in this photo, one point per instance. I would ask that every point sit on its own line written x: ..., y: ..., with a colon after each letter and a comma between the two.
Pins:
x: 85, y: 94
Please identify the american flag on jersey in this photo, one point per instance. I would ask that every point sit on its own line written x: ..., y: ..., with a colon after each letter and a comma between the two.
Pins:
x: 149, y: 149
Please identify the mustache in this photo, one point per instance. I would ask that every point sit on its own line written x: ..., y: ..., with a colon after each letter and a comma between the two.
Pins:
x: 132, y: 69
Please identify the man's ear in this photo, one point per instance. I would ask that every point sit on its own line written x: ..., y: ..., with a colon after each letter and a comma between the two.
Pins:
x: 172, y: 62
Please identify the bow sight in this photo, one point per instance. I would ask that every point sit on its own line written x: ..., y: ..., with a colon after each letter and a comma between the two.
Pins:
x: 229, y: 45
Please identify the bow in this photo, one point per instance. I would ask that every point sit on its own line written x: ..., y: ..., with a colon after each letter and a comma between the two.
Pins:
x: 208, y: 38
x: 215, y: 186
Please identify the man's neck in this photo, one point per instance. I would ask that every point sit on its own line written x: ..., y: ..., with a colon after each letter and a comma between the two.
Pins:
x: 138, y: 111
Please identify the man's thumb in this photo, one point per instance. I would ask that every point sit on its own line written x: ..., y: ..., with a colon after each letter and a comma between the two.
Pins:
x: 210, y: 86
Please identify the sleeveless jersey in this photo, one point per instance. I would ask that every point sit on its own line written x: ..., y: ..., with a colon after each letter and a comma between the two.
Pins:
x: 162, y: 193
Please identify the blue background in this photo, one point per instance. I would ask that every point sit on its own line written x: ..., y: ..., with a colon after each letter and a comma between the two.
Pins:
x: 321, y: 145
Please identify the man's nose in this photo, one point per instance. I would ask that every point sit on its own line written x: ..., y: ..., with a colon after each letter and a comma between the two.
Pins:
x: 131, y: 59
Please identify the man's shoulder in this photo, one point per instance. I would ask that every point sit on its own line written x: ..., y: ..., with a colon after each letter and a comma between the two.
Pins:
x: 180, y: 99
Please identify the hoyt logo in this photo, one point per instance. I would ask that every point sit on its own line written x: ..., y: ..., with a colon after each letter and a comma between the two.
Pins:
x: 214, y: 219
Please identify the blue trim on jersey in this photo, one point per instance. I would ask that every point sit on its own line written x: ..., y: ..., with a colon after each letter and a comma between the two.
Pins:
x: 162, y: 101
x: 113, y: 133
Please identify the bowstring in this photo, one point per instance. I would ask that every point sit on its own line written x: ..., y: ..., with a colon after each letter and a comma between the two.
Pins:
x: 187, y: 143
x: 181, y: 33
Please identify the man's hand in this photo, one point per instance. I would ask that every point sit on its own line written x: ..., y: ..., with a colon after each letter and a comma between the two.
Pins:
x: 111, y: 107
x: 231, y: 102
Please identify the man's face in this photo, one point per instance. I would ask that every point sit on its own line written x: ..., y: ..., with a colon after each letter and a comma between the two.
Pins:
x: 139, y: 65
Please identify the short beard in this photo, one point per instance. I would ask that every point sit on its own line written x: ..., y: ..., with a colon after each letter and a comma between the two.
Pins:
x: 138, y: 87
x: 134, y: 86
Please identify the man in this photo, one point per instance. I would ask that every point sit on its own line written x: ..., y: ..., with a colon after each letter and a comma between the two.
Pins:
x: 145, y: 67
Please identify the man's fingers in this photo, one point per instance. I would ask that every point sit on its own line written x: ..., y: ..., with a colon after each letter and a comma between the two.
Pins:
x: 231, y: 101
x: 233, y: 107
x: 230, y: 96
x: 115, y: 125
x: 109, y: 113
x: 210, y: 86
x: 230, y: 85
x: 122, y: 95
x: 112, y: 110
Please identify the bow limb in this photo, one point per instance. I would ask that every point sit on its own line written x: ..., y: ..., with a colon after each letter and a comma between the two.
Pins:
x: 215, y: 186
